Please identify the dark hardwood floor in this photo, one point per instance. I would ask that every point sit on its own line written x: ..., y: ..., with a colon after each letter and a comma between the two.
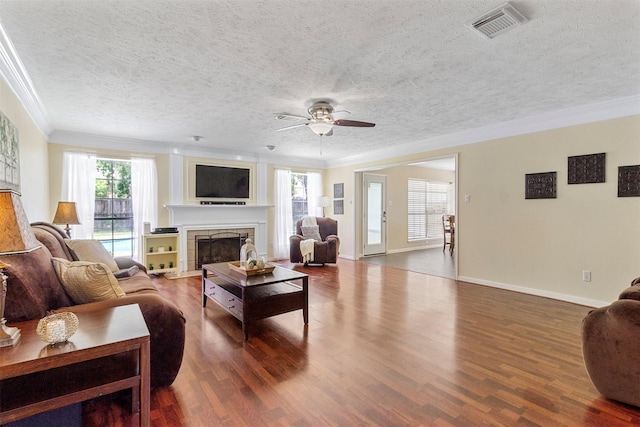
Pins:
x: 384, y: 347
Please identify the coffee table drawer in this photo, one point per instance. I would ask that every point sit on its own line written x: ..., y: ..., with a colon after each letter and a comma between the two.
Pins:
x: 225, y: 294
x: 212, y: 289
x: 232, y: 303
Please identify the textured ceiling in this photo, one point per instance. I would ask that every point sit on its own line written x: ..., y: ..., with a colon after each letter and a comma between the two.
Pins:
x: 165, y: 70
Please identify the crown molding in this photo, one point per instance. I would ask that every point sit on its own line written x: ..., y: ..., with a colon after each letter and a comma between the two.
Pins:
x: 17, y: 78
x: 97, y: 142
x: 612, y: 109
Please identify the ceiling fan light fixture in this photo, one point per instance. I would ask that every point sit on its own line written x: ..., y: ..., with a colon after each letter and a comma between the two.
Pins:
x: 320, y: 127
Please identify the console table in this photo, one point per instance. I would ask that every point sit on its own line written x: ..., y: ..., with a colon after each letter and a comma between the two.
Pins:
x: 108, y: 353
x: 250, y: 298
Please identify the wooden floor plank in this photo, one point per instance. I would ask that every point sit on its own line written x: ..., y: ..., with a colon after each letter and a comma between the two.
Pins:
x: 384, y: 346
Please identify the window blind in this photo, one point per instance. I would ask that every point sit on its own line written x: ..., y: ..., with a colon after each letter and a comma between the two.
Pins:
x: 426, y: 203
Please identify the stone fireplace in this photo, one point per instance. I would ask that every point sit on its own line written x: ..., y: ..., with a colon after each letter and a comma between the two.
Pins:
x: 217, y: 220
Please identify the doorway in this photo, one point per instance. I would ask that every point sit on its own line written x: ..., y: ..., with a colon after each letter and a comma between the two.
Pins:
x: 403, y: 248
x: 374, y: 214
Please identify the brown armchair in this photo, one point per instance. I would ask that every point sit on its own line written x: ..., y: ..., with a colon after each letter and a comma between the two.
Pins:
x: 610, y: 338
x: 324, y: 251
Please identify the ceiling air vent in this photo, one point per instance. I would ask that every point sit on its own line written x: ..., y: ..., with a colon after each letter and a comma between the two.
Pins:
x: 497, y: 21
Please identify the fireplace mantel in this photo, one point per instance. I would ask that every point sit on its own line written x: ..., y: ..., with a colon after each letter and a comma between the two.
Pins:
x: 200, y: 217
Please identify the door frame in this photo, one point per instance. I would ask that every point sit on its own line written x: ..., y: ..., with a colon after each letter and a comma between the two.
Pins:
x: 364, y: 212
x: 358, y: 173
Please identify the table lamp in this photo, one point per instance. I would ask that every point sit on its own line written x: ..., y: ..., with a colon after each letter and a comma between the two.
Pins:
x: 324, y: 202
x: 16, y: 238
x: 66, y: 214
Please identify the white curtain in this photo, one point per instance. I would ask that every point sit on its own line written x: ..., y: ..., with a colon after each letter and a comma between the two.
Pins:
x: 283, y: 226
x: 79, y: 185
x: 144, y: 198
x: 314, y: 191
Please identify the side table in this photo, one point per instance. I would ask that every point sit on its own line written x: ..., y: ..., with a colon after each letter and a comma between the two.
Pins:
x: 108, y: 353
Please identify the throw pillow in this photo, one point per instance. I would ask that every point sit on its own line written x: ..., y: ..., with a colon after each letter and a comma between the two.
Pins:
x: 87, y: 281
x: 311, y: 232
x: 92, y: 251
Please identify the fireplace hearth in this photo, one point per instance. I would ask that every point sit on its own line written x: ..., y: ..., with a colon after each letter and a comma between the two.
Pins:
x: 218, y: 247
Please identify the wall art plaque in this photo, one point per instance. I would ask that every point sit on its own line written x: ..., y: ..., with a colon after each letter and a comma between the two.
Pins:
x: 540, y: 185
x: 338, y: 191
x: 587, y: 169
x: 629, y: 181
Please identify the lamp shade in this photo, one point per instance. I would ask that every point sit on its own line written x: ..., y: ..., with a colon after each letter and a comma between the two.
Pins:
x: 16, y: 235
x: 66, y: 213
x: 324, y: 201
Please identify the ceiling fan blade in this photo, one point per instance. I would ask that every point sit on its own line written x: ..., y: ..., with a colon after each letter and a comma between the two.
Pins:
x: 292, y: 126
x: 287, y: 116
x: 353, y: 123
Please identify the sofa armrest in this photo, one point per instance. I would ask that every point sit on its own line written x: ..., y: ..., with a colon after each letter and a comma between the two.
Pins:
x: 332, y: 237
x: 166, y: 325
x: 632, y: 292
x: 609, y: 347
x: 334, y: 246
x: 125, y: 262
x: 294, y: 248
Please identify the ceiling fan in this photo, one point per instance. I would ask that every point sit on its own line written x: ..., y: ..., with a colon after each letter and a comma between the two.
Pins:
x: 322, y: 119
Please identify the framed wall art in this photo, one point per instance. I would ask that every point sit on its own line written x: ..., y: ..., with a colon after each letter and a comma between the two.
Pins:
x: 587, y: 169
x: 338, y: 207
x: 338, y: 191
x: 629, y: 181
x: 540, y: 185
x: 9, y: 155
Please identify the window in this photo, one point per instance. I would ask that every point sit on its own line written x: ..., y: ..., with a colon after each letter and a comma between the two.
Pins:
x: 113, y: 215
x: 299, y: 197
x: 426, y: 203
x: 296, y: 195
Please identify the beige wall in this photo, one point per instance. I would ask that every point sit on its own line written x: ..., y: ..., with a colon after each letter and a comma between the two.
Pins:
x: 33, y: 157
x: 540, y: 245
x: 545, y: 244
x: 347, y: 221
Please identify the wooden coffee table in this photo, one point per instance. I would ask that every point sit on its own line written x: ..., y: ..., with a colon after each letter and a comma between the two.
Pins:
x: 108, y: 353
x: 250, y: 298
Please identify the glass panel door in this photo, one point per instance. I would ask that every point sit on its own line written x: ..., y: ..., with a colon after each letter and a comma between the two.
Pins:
x: 374, y: 214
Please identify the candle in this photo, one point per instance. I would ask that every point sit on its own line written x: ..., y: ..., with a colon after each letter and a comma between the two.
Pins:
x: 56, y: 331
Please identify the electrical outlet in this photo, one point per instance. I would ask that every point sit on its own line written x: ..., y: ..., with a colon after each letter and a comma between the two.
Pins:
x: 586, y: 276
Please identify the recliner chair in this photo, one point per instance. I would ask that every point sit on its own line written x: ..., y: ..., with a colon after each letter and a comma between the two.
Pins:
x: 325, y: 251
x: 610, y: 342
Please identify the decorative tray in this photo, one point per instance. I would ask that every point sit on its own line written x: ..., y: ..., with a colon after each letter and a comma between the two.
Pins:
x: 235, y: 266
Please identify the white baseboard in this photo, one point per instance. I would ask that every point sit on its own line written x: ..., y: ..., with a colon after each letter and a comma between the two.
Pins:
x: 537, y: 292
x: 414, y: 248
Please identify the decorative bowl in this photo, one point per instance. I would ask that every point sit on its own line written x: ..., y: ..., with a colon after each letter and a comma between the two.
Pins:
x: 57, y: 327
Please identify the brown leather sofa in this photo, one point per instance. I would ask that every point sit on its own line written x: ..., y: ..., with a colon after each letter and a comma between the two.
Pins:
x: 610, y: 347
x: 325, y: 251
x: 34, y: 290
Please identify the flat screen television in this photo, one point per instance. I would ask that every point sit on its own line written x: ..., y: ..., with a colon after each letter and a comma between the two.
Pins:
x: 222, y: 182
